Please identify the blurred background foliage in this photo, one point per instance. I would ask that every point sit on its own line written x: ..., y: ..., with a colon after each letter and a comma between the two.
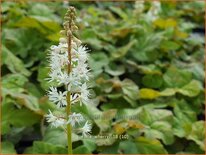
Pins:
x: 150, y: 69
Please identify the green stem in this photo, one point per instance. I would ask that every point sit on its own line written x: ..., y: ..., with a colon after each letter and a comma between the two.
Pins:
x: 69, y: 128
x: 68, y: 108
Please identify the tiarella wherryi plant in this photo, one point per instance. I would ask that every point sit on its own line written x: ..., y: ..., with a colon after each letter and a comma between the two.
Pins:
x: 68, y: 65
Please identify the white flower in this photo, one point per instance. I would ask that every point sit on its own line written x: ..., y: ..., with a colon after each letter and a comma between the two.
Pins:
x: 154, y: 11
x: 57, y: 97
x: 74, y: 82
x: 63, y: 46
x: 55, y: 49
x: 81, y: 53
x: 86, y: 129
x: 75, y: 118
x: 50, y: 117
x: 63, y: 78
x: 139, y: 6
x: 53, y: 75
x: 81, y: 70
x: 55, y: 121
x: 82, y: 50
x: 84, y: 94
x: 58, y: 59
x: 58, y: 122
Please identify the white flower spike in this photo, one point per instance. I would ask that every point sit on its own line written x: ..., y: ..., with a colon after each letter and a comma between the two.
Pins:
x: 69, y: 71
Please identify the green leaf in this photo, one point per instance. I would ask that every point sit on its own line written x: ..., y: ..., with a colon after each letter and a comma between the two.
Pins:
x: 170, y: 45
x: 42, y: 12
x: 104, y: 122
x: 191, y: 89
x: 43, y: 73
x: 129, y: 88
x: 197, y: 134
x: 145, y: 48
x: 110, y: 149
x: 120, y: 12
x: 7, y: 148
x: 90, y: 37
x: 6, y: 109
x: 14, y: 64
x: 106, y: 142
x: 89, y: 144
x: 128, y: 147
x: 16, y: 117
x: 152, y: 81
x: 165, y: 23
x: 184, y: 118
x: 47, y: 148
x: 175, y: 77
x: 168, y: 92
x: 54, y: 37
x: 115, y: 70
x: 23, y: 117
x: 98, y: 60
x: 149, y: 69
x: 148, y: 146
x: 81, y: 150
x: 28, y: 22
x: 55, y: 136
x: 146, y: 93
x: 157, y: 124
x: 160, y: 130
x: 16, y: 40
x: 14, y: 82
x: 122, y: 51
x: 29, y: 101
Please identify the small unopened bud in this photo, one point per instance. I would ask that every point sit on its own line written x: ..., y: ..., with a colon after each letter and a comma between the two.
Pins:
x: 74, y: 45
x: 62, y: 32
x: 77, y: 41
x: 66, y: 24
x: 72, y: 9
x: 69, y: 33
x: 72, y: 14
x: 74, y: 28
x: 67, y: 14
x: 66, y: 18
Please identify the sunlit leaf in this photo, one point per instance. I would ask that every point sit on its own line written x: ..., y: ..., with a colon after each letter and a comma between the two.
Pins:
x: 146, y: 93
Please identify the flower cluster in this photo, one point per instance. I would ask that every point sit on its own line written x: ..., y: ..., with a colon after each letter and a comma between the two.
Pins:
x: 155, y: 9
x: 139, y: 6
x: 152, y: 13
x: 69, y: 68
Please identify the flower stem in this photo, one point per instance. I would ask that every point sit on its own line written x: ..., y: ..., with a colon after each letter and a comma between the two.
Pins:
x: 69, y: 128
x: 68, y: 108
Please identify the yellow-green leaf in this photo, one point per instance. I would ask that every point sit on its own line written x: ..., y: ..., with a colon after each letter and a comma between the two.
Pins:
x: 146, y: 93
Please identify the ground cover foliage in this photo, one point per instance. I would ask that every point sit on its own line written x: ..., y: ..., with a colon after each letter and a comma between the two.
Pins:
x: 148, y: 77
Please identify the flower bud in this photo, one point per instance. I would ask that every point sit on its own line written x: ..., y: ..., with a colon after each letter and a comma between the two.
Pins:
x: 75, y: 28
x: 77, y: 41
x: 67, y: 18
x: 66, y: 24
x: 69, y: 32
x: 72, y: 9
x: 62, y: 32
